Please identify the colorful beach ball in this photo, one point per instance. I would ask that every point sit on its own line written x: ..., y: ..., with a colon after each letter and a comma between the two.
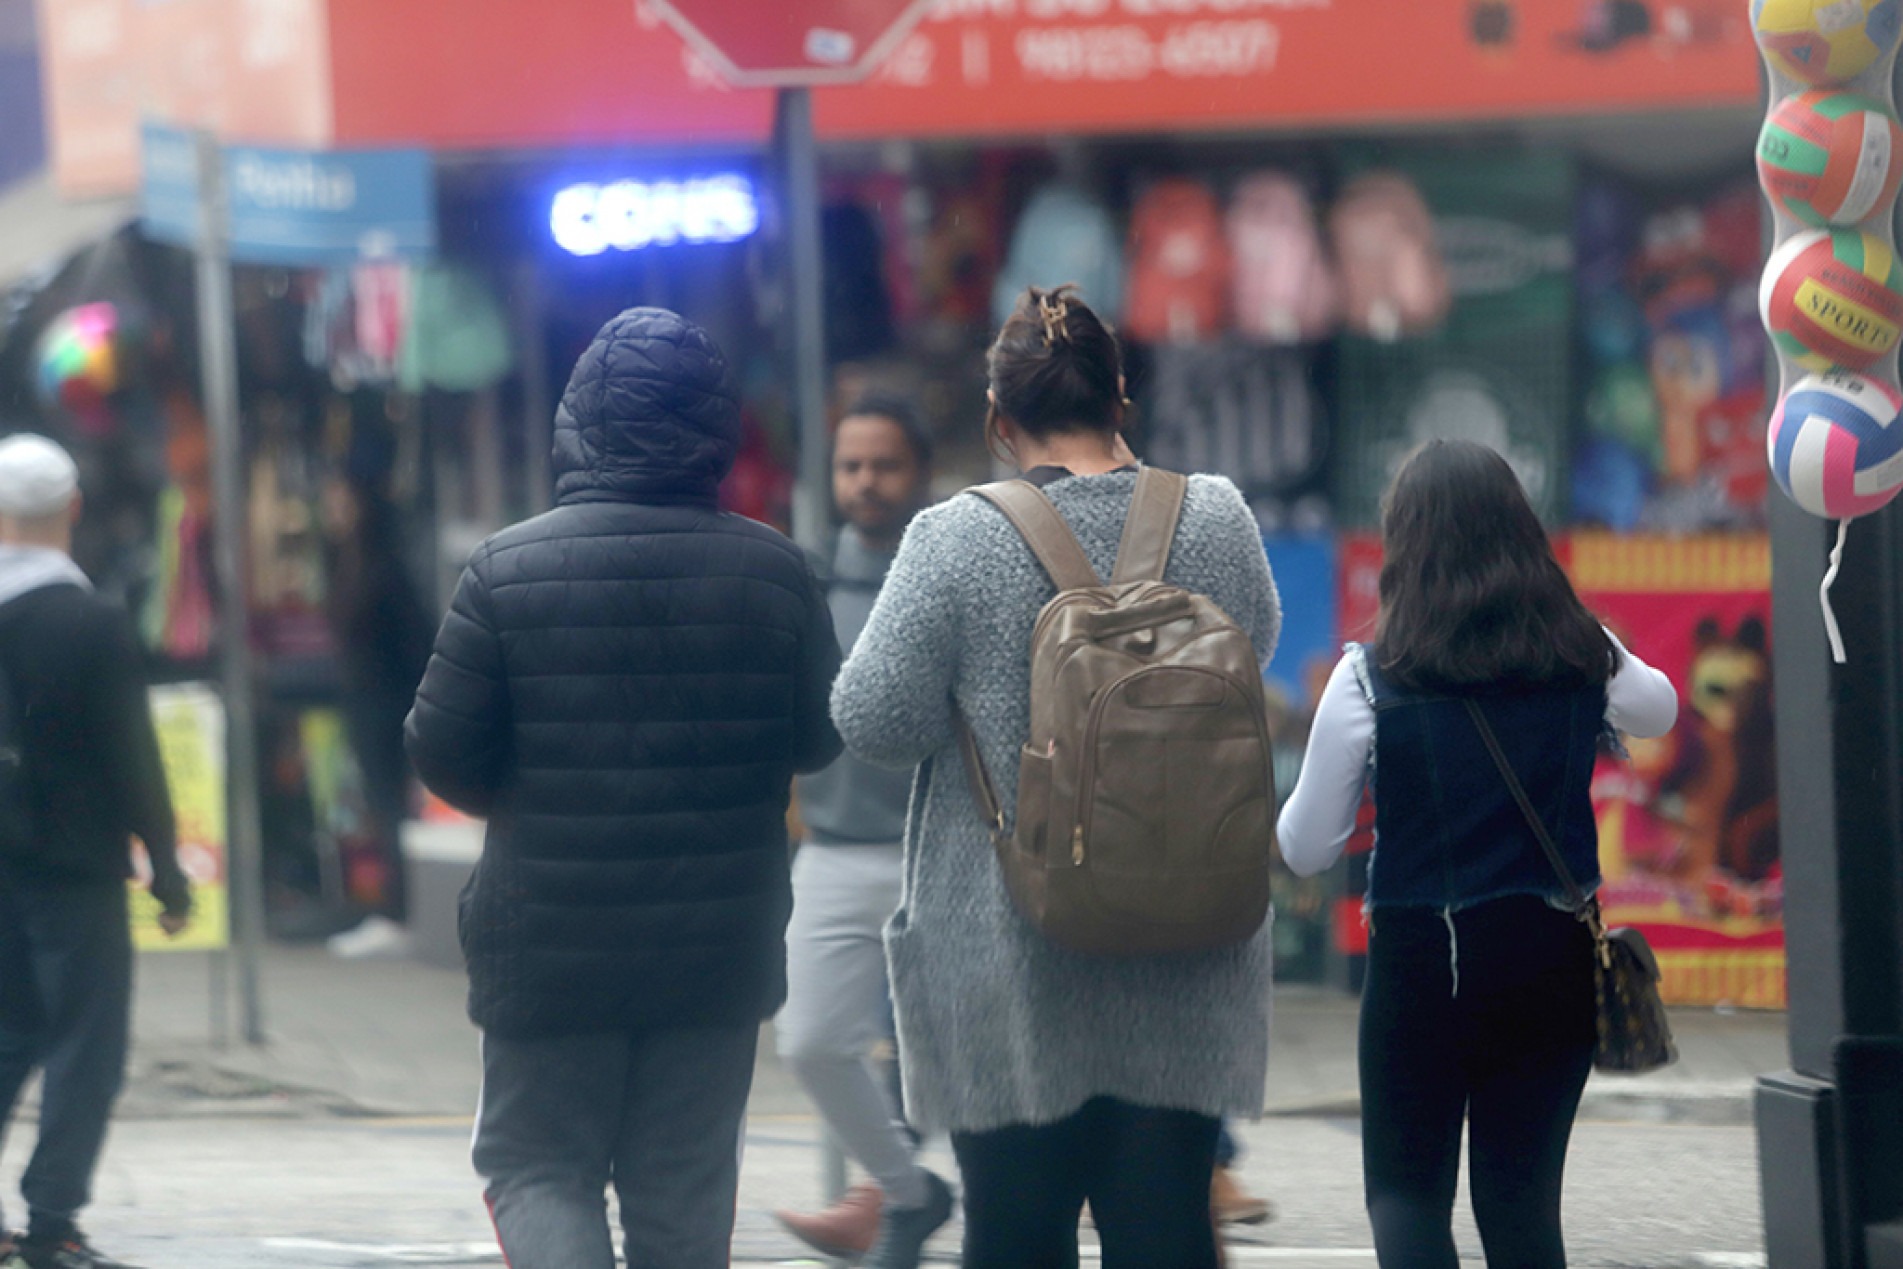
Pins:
x: 1833, y: 298
x: 77, y: 360
x: 1831, y: 158
x: 1826, y: 41
x: 1836, y: 444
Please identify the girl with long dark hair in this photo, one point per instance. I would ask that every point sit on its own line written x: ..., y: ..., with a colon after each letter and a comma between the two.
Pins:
x: 1478, y: 1008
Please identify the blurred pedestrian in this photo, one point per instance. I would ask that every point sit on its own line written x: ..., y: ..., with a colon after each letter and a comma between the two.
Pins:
x: 625, y: 687
x: 79, y: 778
x: 1229, y: 1202
x: 1062, y: 1077
x: 383, y: 642
x: 846, y: 877
x: 1478, y: 1009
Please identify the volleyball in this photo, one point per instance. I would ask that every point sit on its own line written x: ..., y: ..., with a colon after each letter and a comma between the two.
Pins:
x: 1826, y: 41
x: 1833, y: 298
x: 1831, y: 158
x: 1836, y: 444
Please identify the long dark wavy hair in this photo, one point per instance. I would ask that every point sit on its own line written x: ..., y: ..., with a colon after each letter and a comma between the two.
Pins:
x: 1471, y: 595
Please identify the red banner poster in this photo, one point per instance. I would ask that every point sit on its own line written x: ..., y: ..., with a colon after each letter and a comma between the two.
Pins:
x: 1688, y: 832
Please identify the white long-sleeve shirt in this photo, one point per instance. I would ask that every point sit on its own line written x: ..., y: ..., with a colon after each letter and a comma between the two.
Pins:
x: 1319, y: 816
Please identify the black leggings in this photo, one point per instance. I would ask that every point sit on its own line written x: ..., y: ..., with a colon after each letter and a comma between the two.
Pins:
x: 1489, y: 1021
x: 1145, y: 1171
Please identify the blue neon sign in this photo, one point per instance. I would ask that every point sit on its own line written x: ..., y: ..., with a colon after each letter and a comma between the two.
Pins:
x: 588, y: 219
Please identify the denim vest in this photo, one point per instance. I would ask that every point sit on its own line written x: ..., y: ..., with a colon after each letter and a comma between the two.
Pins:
x: 1448, y: 833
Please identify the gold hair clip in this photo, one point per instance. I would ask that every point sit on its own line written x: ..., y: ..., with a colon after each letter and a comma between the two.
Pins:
x: 1054, y: 310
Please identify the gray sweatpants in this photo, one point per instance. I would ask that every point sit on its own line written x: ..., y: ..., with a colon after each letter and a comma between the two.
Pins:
x: 658, y: 1115
x: 837, y: 1009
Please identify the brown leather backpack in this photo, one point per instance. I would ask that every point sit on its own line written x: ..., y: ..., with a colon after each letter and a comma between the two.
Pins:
x: 1146, y: 801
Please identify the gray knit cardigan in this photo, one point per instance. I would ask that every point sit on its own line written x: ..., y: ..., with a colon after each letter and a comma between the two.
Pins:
x: 998, y: 1026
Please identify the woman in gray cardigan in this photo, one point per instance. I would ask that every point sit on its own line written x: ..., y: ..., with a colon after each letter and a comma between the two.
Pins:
x: 1061, y: 1077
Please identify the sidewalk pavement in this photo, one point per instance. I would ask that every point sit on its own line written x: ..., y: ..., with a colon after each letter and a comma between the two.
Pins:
x: 370, y: 1076
x: 389, y: 1037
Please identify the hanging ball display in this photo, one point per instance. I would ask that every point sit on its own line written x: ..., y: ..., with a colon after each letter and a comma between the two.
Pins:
x: 1826, y: 41
x: 1833, y: 298
x: 1836, y: 444
x: 77, y: 360
x: 1831, y: 158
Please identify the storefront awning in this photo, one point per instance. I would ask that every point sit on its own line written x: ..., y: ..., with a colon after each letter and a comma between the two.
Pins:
x: 39, y: 229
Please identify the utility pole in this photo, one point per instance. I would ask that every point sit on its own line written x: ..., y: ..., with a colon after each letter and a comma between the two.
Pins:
x: 1830, y: 1129
x: 218, y: 370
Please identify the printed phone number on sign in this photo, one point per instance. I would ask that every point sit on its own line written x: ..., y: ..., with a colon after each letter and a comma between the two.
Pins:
x: 1193, y: 50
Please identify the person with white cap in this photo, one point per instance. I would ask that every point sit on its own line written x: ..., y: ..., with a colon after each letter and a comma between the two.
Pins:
x: 79, y: 777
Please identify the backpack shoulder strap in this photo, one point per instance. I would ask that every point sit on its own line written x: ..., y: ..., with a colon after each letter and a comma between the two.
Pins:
x: 1043, y: 530
x: 1150, y: 527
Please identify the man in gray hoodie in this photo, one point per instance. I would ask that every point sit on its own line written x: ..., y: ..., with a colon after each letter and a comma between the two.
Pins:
x: 79, y: 778
x: 846, y: 880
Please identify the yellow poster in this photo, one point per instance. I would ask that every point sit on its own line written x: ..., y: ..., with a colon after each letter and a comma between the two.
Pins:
x: 190, y: 721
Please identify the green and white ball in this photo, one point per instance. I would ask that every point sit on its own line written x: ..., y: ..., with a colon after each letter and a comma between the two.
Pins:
x: 1831, y: 158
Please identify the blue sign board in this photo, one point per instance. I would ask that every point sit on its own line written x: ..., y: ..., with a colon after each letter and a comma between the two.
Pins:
x: 296, y: 207
x: 168, y: 185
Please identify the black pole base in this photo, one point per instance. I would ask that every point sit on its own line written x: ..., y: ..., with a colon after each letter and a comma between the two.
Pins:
x: 1797, y: 1149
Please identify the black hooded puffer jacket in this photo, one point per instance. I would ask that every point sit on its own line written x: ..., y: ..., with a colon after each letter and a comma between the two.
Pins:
x: 625, y: 687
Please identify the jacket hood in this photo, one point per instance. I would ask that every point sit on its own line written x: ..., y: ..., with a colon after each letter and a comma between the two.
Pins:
x: 30, y: 568
x: 651, y: 414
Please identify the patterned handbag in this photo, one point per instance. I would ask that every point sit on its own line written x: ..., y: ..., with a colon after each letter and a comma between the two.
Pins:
x: 1634, y: 1034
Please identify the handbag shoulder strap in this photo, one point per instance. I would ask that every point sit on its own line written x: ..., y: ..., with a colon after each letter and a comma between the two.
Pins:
x: 1149, y: 529
x: 1043, y: 530
x: 1574, y: 894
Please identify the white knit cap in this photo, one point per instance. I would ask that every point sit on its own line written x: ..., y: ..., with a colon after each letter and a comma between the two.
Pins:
x: 37, y: 477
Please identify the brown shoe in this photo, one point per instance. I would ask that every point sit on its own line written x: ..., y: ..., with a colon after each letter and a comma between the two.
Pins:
x: 1230, y: 1204
x: 844, y: 1231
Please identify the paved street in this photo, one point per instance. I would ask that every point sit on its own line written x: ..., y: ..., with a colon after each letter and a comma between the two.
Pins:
x: 345, y: 1143
x: 221, y: 1193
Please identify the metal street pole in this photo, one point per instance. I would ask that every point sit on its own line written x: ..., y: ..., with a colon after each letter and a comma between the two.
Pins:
x: 797, y: 155
x: 218, y: 370
x: 799, y: 200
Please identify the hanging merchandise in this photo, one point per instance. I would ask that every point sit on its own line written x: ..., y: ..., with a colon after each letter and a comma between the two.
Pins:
x: 80, y: 365
x: 1825, y: 41
x: 381, y: 312
x: 1285, y: 291
x: 1393, y: 279
x: 1674, y: 361
x: 178, y: 621
x: 1497, y: 366
x: 1833, y: 299
x: 1248, y: 412
x: 960, y: 257
x: 458, y: 337
x: 1064, y: 236
x: 1179, y: 264
x: 1831, y: 158
x: 1835, y: 444
x: 355, y: 324
x: 858, y: 305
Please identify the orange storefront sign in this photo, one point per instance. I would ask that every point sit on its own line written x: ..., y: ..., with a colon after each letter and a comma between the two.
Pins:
x: 503, y: 74
x: 998, y: 68
x: 251, y: 71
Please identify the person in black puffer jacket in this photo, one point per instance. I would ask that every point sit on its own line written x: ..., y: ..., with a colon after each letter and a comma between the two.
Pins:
x: 625, y: 687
